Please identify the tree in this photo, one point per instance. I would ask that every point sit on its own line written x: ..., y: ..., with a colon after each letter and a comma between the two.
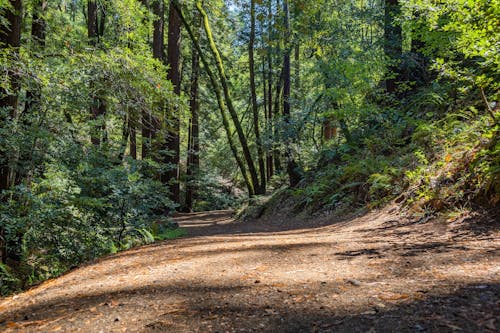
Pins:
x: 193, y: 158
x: 261, y: 187
x: 292, y: 166
x: 221, y: 100
x: 228, y: 100
x: 172, y: 158
x: 392, y: 44
x: 10, y: 41
x: 95, y: 31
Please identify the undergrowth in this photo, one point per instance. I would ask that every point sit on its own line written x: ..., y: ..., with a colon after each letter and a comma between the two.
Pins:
x: 450, y: 162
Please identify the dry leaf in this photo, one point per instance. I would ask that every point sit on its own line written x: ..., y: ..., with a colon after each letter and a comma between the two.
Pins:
x: 394, y: 297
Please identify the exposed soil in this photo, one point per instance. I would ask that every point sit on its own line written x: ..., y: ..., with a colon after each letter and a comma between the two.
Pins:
x: 376, y: 273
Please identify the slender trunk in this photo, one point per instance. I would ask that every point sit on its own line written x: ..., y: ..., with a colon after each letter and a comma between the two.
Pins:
x: 158, y: 29
x: 277, y: 100
x: 297, y: 69
x: 270, y: 160
x: 145, y: 116
x: 38, y: 32
x: 392, y: 44
x: 171, y: 177
x: 225, y: 88
x: 145, y: 133
x: 292, y: 167
x: 133, y: 137
x: 10, y: 37
x: 125, y: 136
x: 260, y: 188
x: 193, y: 159
x: 149, y: 120
x: 95, y: 30
x: 220, y: 101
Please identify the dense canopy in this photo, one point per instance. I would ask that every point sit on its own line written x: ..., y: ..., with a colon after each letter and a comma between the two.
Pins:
x: 114, y: 114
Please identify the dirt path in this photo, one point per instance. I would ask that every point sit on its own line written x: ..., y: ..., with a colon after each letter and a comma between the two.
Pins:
x: 376, y: 273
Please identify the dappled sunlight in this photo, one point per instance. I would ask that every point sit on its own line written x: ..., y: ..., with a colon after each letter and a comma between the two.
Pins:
x: 327, y: 276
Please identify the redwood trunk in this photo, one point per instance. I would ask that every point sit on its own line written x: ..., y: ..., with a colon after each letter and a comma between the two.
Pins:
x: 392, y: 44
x: 260, y: 188
x: 193, y: 159
x: 292, y: 166
x: 174, y: 75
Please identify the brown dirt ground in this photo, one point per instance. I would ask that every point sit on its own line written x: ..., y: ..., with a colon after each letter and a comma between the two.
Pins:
x: 376, y: 273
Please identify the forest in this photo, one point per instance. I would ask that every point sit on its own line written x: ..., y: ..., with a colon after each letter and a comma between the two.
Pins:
x: 118, y: 116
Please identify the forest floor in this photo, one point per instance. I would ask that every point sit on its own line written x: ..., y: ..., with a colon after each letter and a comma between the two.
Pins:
x: 374, y: 273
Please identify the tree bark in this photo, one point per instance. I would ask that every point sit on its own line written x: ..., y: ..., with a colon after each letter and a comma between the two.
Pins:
x: 95, y: 30
x: 220, y: 101
x: 260, y: 188
x: 270, y: 162
x: 393, y: 47
x: 133, y: 137
x: 171, y: 177
x: 292, y: 166
x: 193, y: 159
x: 225, y: 88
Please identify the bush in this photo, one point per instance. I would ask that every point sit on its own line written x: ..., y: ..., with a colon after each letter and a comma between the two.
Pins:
x: 75, y: 212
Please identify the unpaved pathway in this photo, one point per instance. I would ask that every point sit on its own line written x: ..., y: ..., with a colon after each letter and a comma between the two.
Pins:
x: 375, y: 273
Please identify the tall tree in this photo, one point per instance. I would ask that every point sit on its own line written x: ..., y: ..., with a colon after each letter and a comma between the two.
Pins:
x: 10, y: 38
x: 38, y: 32
x: 292, y: 166
x: 148, y: 119
x: 219, y: 96
x: 393, y: 46
x: 261, y: 187
x: 95, y: 30
x: 270, y: 160
x: 227, y: 97
x: 193, y: 158
x: 173, y: 130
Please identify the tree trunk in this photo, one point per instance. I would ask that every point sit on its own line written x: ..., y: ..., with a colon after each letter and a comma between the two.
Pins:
x: 276, y: 153
x: 193, y: 159
x: 133, y: 137
x: 38, y: 32
x: 229, y: 102
x: 171, y: 177
x: 220, y: 101
x: 10, y: 37
x: 270, y: 160
x: 392, y: 44
x: 292, y: 167
x: 95, y: 30
x: 147, y: 118
x: 260, y: 188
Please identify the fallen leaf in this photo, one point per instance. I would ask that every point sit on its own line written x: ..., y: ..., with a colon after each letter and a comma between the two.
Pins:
x: 12, y: 324
x: 394, y: 297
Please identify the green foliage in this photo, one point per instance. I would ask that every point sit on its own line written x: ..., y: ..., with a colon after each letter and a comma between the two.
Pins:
x: 71, y: 201
x: 77, y: 212
x: 171, y: 234
x: 216, y: 193
x: 8, y: 281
